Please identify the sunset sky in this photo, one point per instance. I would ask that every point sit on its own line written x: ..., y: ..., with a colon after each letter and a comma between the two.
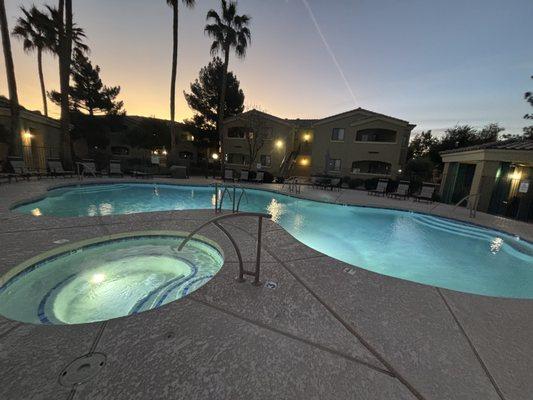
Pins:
x: 434, y: 63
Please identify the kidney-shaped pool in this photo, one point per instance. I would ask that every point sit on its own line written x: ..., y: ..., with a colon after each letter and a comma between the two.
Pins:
x: 407, y: 245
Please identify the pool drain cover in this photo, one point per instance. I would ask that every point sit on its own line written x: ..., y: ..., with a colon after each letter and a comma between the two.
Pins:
x: 82, y: 369
x: 271, y: 285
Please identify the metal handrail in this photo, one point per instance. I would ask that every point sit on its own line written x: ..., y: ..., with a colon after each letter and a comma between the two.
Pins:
x: 473, y: 208
x: 243, y: 194
x: 85, y: 166
x: 222, y: 198
x: 216, y: 221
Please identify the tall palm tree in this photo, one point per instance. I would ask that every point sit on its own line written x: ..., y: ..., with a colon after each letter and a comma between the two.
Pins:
x: 65, y: 61
x: 229, y: 31
x: 34, y: 30
x: 11, y: 81
x: 175, y: 20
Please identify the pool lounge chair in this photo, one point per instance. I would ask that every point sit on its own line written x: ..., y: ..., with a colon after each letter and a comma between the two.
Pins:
x: 88, y: 167
x: 245, y: 176
x: 426, y: 193
x: 381, y: 188
x: 56, y: 169
x: 5, y: 177
x: 22, y: 170
x: 115, y: 168
x: 334, y: 184
x: 259, y: 177
x: 228, y: 175
x: 402, y: 191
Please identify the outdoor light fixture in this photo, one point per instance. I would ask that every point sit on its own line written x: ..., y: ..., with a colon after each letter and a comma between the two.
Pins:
x: 304, y: 161
x: 307, y: 137
x: 516, y: 175
x: 279, y: 143
x: 399, y: 171
x: 214, y: 156
x: 164, y: 152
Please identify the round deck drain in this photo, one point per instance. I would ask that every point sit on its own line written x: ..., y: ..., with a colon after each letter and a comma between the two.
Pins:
x: 271, y: 285
x: 82, y: 369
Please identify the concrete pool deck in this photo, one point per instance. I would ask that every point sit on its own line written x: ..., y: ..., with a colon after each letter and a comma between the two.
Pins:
x: 327, y: 331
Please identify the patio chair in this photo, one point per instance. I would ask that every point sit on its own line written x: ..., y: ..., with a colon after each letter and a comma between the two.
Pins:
x: 22, y: 170
x: 88, y: 167
x: 228, y: 175
x: 245, y: 176
x: 426, y: 193
x: 5, y: 177
x: 115, y: 168
x: 381, y: 188
x: 259, y: 177
x: 402, y: 191
x: 56, y: 169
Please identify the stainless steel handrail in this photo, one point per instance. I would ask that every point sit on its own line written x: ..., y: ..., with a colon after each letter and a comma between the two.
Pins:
x: 473, y: 208
x: 85, y: 166
x: 216, y: 221
x: 243, y: 193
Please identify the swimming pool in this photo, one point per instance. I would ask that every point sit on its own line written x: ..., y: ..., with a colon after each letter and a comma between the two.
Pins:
x: 105, y: 279
x: 406, y: 245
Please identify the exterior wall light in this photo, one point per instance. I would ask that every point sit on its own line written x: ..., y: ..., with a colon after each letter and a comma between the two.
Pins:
x: 307, y: 137
x: 164, y: 152
x: 279, y: 143
x: 304, y: 161
x: 516, y: 175
x: 214, y: 156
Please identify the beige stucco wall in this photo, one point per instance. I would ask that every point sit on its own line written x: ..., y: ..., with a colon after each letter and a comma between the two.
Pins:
x: 315, y: 141
x: 280, y: 132
x: 349, y: 150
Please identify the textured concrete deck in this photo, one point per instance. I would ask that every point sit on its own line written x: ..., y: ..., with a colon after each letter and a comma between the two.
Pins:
x: 323, y: 333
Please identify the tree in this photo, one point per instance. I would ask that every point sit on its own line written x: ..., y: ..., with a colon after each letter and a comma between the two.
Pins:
x: 229, y: 31
x: 11, y: 81
x: 175, y: 12
x: 33, y: 29
x: 528, y: 130
x: 64, y: 42
x: 88, y: 93
x: 204, y: 98
x: 421, y: 145
x: 256, y: 132
x: 490, y: 132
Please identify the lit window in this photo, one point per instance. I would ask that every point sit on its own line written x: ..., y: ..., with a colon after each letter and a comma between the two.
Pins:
x: 334, y: 164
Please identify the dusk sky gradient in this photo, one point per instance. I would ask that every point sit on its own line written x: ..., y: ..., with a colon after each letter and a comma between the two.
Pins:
x: 433, y: 63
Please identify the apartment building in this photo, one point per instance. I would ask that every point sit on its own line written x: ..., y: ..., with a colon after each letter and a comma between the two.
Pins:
x: 358, y: 143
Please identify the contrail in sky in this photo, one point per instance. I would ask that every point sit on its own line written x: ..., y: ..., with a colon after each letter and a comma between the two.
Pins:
x: 330, y: 51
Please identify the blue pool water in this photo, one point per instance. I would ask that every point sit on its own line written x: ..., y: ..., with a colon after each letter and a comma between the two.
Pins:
x: 412, y: 246
x: 107, y: 280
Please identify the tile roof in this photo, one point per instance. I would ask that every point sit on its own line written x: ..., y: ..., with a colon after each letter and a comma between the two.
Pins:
x: 509, y: 144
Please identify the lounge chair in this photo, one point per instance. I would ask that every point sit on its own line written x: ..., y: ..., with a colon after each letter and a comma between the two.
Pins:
x: 88, y: 167
x: 56, y: 169
x: 334, y: 183
x: 381, y: 188
x: 228, y: 175
x: 115, y: 168
x: 21, y: 169
x: 259, y: 177
x: 426, y: 193
x: 6, y: 177
x: 402, y: 191
x: 245, y: 175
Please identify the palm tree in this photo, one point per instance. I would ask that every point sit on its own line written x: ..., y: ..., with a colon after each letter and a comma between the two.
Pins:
x: 175, y: 11
x: 229, y: 31
x: 34, y: 30
x: 11, y: 81
x: 64, y: 27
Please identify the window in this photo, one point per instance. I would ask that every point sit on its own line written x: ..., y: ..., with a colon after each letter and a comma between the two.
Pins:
x: 186, y: 137
x: 337, y: 135
x: 236, y: 132
x: 266, y: 160
x: 234, y: 158
x: 376, y: 135
x: 334, y: 164
x: 120, y: 151
x: 371, y: 167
